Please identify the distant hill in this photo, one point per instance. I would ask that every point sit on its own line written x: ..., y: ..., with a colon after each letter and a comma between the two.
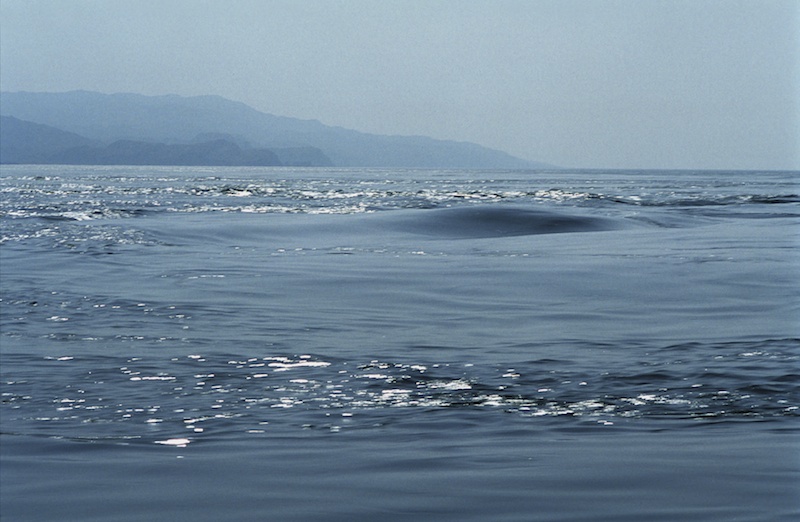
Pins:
x: 26, y: 142
x: 176, y: 120
x: 129, y: 152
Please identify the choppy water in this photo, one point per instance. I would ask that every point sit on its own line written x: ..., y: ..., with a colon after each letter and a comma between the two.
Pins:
x: 295, y: 344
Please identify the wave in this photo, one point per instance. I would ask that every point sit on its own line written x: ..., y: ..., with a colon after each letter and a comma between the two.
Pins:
x: 92, y: 196
x: 672, y: 200
x: 486, y: 221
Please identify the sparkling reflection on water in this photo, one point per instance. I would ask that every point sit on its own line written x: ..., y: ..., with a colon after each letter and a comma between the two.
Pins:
x: 189, y: 398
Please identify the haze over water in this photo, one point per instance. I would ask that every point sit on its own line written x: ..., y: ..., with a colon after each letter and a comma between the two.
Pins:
x: 684, y: 84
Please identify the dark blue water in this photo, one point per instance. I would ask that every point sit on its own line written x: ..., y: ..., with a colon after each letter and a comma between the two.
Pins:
x: 294, y: 344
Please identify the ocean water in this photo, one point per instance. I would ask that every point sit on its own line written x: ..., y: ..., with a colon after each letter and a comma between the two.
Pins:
x: 288, y: 344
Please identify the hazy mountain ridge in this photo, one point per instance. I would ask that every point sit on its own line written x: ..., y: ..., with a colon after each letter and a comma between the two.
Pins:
x: 129, y: 152
x: 177, y: 120
x: 26, y: 142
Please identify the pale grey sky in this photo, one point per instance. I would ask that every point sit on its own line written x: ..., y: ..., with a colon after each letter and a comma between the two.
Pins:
x: 578, y: 83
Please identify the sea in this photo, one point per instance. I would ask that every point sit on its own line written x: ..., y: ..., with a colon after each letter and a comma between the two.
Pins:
x: 335, y: 344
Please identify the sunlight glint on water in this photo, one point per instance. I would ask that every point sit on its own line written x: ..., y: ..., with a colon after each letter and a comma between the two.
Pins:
x: 496, y: 345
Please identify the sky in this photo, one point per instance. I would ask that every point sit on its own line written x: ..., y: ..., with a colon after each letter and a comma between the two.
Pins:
x: 695, y: 84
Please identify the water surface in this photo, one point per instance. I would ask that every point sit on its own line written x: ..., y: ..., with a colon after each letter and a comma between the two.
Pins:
x: 340, y: 344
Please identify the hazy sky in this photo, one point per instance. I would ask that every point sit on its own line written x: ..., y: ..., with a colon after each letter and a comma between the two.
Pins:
x: 621, y: 84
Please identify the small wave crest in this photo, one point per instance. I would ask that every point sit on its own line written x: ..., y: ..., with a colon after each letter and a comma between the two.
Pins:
x: 483, y: 221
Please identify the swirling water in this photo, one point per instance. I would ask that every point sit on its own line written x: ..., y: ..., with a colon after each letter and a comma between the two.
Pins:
x: 364, y: 344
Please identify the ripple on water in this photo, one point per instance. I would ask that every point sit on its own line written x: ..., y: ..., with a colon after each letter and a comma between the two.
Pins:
x: 196, y: 396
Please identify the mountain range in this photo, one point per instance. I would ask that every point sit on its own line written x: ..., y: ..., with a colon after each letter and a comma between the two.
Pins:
x: 82, y: 127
